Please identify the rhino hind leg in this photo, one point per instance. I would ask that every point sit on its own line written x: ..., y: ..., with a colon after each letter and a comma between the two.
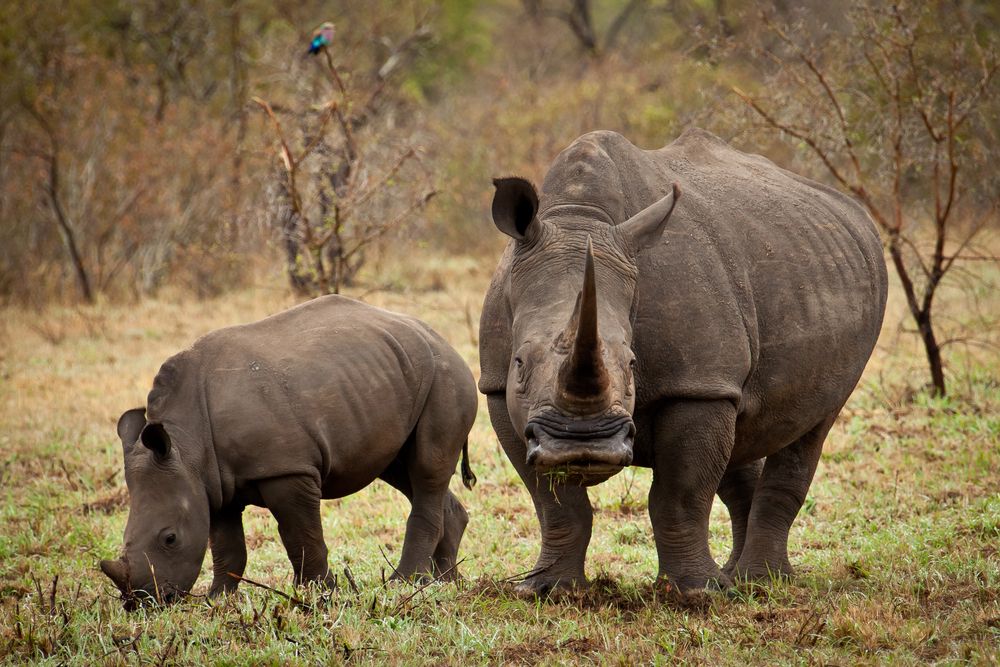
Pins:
x: 428, y: 460
x: 294, y: 501
x: 780, y: 493
x: 446, y: 552
x: 444, y: 559
x: 736, y: 491
x: 564, y: 513
x: 694, y: 440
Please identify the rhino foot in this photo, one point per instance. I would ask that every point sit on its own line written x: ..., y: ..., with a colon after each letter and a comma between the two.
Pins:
x: 548, y: 587
x: 762, y: 572
x: 692, y: 583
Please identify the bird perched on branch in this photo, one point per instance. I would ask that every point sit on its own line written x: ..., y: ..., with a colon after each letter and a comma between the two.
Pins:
x: 322, y: 37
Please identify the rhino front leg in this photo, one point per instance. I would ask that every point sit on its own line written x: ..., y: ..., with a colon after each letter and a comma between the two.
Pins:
x: 229, y: 550
x: 736, y: 491
x: 693, y: 442
x: 294, y: 502
x: 780, y: 493
x: 564, y: 513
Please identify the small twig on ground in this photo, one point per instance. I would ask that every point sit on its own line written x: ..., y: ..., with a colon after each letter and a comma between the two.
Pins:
x: 52, y: 595
x: 350, y: 580
x: 395, y: 572
x: 809, y: 631
x: 402, y: 603
x: 521, y: 576
x: 291, y: 598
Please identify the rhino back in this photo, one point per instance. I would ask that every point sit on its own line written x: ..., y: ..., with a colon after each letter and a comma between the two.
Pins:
x: 331, y: 388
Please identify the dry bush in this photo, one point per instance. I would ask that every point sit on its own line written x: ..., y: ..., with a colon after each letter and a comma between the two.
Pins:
x: 347, y: 171
x: 104, y: 187
x: 900, y: 111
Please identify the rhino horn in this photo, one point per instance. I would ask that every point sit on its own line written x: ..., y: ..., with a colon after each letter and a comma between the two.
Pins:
x: 117, y: 572
x: 583, y: 377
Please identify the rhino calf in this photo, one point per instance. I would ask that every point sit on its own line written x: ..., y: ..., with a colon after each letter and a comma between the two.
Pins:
x: 311, y: 403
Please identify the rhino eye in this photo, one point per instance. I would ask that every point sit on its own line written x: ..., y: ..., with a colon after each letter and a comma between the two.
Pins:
x: 170, y: 539
x: 518, y: 361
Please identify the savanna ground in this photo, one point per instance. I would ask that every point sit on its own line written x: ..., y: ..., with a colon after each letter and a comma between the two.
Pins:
x: 896, y: 548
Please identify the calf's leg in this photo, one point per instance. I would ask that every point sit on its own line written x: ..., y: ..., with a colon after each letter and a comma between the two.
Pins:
x: 437, y: 520
x: 229, y: 550
x: 294, y: 502
x: 446, y: 552
x: 445, y: 556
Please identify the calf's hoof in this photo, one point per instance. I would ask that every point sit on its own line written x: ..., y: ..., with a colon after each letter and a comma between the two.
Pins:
x: 447, y: 575
x: 218, y: 591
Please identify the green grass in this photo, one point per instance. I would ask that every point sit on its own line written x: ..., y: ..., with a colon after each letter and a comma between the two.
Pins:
x: 896, y: 549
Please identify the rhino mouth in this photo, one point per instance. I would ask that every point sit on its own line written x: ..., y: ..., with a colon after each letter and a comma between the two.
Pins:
x: 132, y: 598
x: 579, y: 452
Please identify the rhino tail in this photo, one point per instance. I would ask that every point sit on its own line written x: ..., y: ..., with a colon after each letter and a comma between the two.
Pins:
x: 468, y: 477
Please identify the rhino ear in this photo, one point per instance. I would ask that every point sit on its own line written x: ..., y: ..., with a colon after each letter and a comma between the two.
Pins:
x: 155, y: 437
x: 130, y: 425
x: 515, y: 204
x: 645, y: 227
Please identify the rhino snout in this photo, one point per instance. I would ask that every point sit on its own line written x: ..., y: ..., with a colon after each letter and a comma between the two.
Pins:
x: 133, y: 595
x: 583, y: 456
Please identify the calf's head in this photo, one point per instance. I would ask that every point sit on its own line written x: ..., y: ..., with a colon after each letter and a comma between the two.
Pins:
x: 167, y: 530
x: 571, y: 381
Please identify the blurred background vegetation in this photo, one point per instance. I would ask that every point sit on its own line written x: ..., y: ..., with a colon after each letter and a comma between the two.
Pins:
x: 135, y: 151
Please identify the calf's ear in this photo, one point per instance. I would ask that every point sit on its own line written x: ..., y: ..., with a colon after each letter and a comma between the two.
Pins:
x: 645, y: 227
x: 130, y: 425
x: 155, y: 437
x: 515, y: 204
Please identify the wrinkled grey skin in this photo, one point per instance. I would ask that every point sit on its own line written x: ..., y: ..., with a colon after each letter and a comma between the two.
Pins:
x: 314, y: 402
x: 713, y: 334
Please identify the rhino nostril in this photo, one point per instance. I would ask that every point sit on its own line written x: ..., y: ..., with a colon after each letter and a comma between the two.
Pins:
x: 529, y: 432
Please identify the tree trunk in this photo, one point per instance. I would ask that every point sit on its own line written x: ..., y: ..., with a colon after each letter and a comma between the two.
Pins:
x: 69, y: 238
x: 921, y: 315
x: 933, y: 351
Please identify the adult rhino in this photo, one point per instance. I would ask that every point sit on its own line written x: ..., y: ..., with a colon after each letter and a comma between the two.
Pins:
x: 713, y: 337
x: 314, y: 402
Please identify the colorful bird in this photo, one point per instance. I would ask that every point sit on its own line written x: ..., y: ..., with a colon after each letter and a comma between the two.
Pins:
x: 322, y: 37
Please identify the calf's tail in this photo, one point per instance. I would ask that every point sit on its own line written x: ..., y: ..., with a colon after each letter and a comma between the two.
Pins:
x: 468, y: 477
